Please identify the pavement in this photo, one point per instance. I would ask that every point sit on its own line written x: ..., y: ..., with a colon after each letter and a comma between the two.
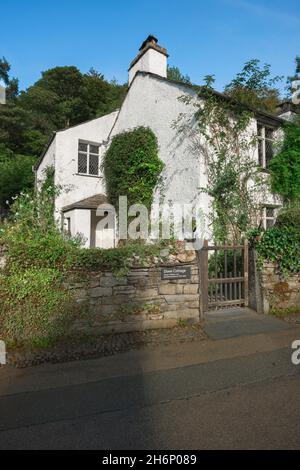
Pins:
x: 238, y: 390
x: 232, y: 323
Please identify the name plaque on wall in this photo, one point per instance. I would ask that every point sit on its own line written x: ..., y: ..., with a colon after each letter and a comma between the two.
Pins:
x: 176, y: 272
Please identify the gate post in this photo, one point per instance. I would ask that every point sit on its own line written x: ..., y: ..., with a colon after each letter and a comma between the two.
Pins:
x: 203, y: 274
x: 246, y: 274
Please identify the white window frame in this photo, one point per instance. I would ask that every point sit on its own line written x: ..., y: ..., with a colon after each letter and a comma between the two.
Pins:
x: 265, y: 218
x: 263, y: 139
x: 88, y: 153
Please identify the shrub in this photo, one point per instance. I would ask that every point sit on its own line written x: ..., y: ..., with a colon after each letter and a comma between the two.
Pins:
x: 32, y: 237
x: 289, y: 217
x: 281, y: 245
x: 34, y: 308
x: 118, y: 260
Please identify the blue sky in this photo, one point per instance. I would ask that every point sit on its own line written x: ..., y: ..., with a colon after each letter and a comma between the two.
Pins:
x: 202, y: 37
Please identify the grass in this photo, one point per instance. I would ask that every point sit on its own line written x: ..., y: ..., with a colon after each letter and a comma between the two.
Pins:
x: 286, y: 312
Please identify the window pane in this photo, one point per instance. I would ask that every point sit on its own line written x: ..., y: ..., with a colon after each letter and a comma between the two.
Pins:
x: 259, y: 129
x: 270, y: 223
x: 269, y: 133
x: 94, y: 148
x: 82, y: 163
x: 93, y: 165
x: 269, y: 151
x: 82, y: 147
x: 270, y: 212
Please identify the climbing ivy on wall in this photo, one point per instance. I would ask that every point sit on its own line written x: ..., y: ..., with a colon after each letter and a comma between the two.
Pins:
x: 280, y: 244
x: 285, y: 166
x: 132, y: 167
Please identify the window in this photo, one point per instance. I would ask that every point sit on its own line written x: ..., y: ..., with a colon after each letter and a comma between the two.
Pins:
x: 268, y: 216
x: 68, y: 225
x: 265, y: 145
x: 88, y: 158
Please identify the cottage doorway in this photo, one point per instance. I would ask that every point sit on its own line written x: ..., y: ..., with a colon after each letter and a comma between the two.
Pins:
x: 103, y: 230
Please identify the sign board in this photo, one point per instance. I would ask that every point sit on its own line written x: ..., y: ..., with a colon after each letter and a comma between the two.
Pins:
x: 176, y: 272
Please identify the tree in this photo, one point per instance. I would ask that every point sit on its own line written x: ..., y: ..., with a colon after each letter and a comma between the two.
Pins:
x: 62, y: 97
x: 16, y: 175
x: 59, y: 95
x: 173, y: 73
x: 254, y: 87
x: 12, y: 84
x: 293, y: 83
x: 285, y: 166
x: 4, y: 70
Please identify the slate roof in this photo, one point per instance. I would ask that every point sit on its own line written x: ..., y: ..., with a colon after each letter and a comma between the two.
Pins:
x: 89, y: 203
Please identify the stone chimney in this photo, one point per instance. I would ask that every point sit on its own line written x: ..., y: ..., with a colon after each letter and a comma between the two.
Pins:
x: 288, y: 110
x: 151, y: 58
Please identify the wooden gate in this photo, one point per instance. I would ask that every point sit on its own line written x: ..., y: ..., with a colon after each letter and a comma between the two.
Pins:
x: 223, y: 276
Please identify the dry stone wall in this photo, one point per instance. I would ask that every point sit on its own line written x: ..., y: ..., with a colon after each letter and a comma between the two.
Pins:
x: 277, y: 292
x: 146, y: 298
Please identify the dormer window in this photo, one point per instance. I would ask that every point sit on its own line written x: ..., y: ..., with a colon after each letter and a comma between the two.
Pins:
x: 265, y: 144
x: 88, y: 158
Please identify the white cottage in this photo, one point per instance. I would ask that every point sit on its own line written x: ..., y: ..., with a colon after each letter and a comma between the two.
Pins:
x: 152, y: 101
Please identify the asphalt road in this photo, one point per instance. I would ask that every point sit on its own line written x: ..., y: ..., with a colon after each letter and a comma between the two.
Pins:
x: 249, y: 401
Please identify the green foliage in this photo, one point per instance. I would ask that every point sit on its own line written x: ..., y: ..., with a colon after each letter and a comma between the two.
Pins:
x: 132, y: 167
x: 16, y: 175
x: 285, y: 312
x: 216, y: 262
x: 289, y: 217
x: 33, y: 304
x: 293, y: 82
x: 254, y: 87
x: 173, y: 73
x: 11, y: 84
x: 285, y: 166
x: 4, y: 70
x: 281, y: 245
x: 34, y: 307
x: 118, y: 260
x: 32, y: 237
x: 62, y: 97
x: 224, y: 146
x: 182, y: 323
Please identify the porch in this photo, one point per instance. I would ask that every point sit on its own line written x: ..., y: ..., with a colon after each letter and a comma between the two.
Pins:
x: 93, y: 219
